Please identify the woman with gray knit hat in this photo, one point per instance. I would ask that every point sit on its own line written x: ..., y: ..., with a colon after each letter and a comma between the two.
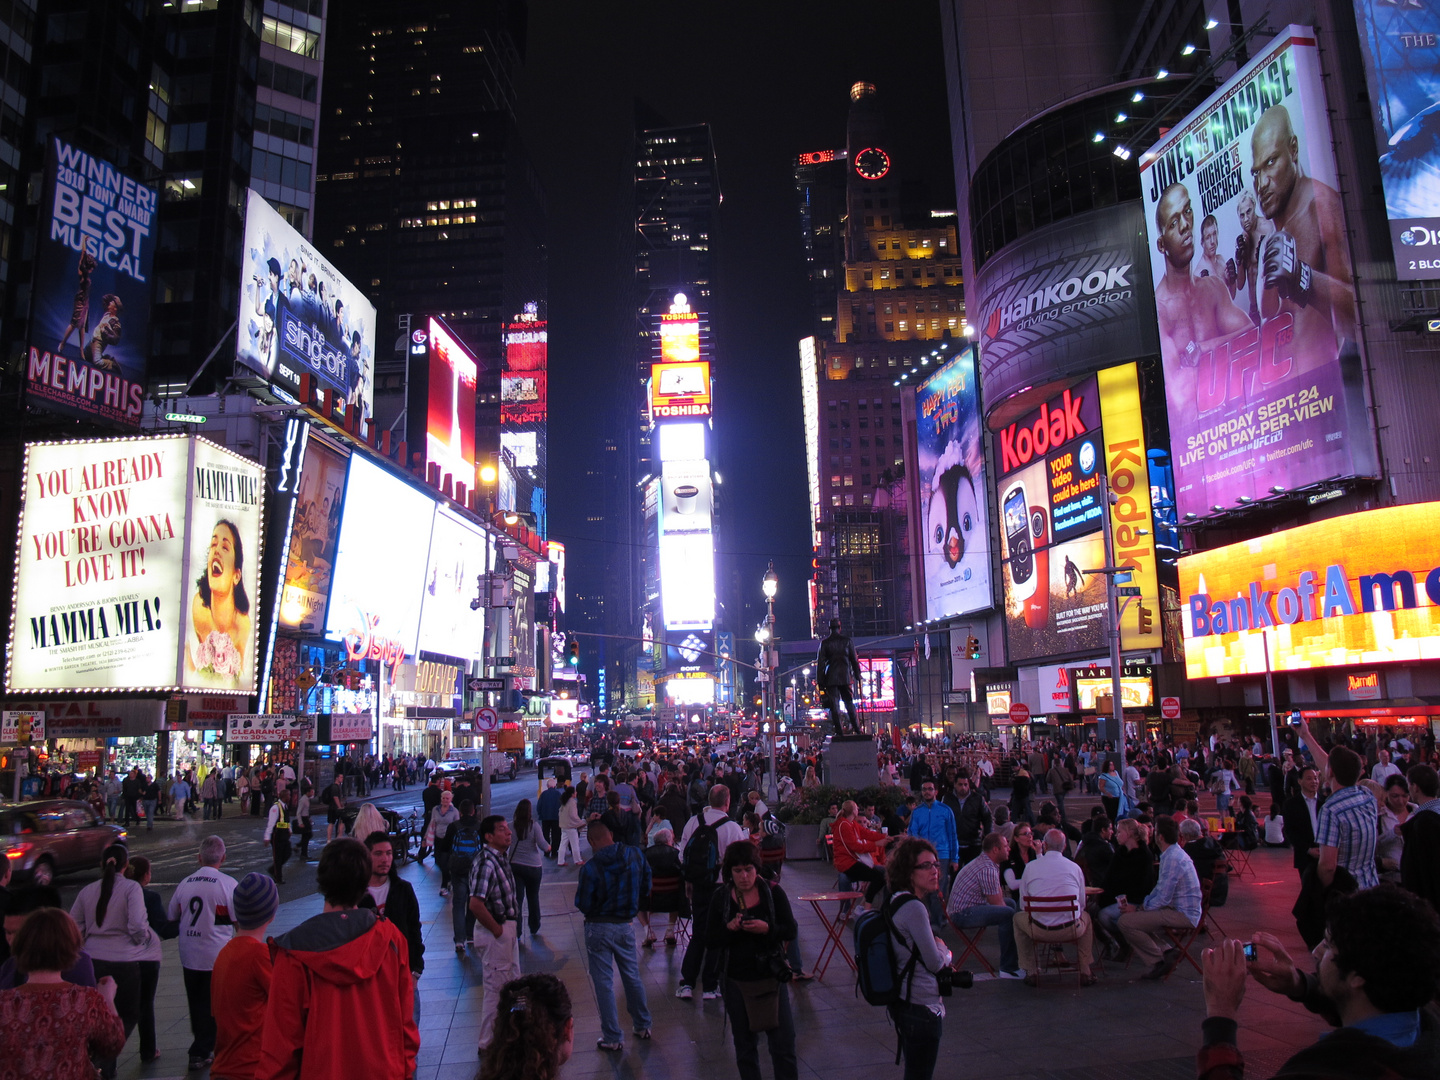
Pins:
x: 241, y: 980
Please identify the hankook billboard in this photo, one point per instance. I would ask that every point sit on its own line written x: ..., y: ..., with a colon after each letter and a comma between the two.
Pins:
x: 1063, y: 300
x: 1257, y: 320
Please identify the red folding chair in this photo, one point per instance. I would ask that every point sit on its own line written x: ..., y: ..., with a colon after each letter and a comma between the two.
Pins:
x: 971, y: 937
x: 1184, y: 937
x: 1055, y: 905
x: 667, y: 894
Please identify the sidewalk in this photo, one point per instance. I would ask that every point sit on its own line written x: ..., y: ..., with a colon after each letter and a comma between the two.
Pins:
x: 1001, y: 1030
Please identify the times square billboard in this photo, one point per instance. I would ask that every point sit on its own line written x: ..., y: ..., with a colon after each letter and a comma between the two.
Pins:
x: 1400, y: 46
x: 299, y: 315
x: 90, y: 307
x: 1258, y: 319
x: 1050, y: 462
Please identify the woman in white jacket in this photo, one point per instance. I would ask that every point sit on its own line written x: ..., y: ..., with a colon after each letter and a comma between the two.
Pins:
x: 570, y: 824
x: 111, y: 916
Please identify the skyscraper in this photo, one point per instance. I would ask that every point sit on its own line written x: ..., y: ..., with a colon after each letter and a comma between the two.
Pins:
x: 899, y: 307
x: 429, y: 202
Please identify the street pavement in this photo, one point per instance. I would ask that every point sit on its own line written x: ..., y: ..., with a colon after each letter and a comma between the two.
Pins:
x: 1119, y: 1029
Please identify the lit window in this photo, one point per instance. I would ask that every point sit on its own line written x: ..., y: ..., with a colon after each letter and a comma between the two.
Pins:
x: 849, y: 500
x: 835, y: 480
x: 902, y: 324
x: 849, y: 479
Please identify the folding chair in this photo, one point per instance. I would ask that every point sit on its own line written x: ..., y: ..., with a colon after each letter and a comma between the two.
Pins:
x: 1061, y: 906
x: 1183, y: 937
x: 971, y: 936
x: 667, y: 894
x: 772, y: 862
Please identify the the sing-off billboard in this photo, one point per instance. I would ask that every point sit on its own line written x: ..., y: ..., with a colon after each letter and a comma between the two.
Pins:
x: 952, y: 503
x: 91, y: 309
x: 1257, y: 319
x: 1359, y: 589
x: 299, y: 315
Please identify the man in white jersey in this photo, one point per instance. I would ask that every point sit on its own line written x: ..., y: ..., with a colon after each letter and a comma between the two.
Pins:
x: 202, y: 905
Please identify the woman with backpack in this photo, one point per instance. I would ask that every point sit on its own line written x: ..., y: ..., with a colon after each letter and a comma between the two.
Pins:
x: 749, y: 924
x: 912, y: 872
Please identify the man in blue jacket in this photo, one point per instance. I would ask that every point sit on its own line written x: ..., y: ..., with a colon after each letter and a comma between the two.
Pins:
x: 612, y: 881
x: 933, y: 821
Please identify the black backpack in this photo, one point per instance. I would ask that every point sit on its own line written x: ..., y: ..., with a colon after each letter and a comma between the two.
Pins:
x: 880, y: 978
x: 702, y: 853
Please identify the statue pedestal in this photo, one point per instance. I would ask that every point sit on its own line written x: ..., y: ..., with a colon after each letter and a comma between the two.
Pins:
x: 850, y: 762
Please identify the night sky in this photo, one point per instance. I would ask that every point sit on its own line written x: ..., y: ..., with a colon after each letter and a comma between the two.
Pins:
x: 772, y: 80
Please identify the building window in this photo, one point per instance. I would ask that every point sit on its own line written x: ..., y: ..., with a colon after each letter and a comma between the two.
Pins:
x: 902, y: 325
x: 885, y: 275
x: 865, y: 479
x: 849, y: 479
x: 849, y: 500
x: 290, y: 38
x: 835, y: 481
x: 834, y: 500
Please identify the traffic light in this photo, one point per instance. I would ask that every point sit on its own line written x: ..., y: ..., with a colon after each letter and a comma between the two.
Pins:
x: 1145, y: 616
x: 972, y: 647
x: 573, y: 650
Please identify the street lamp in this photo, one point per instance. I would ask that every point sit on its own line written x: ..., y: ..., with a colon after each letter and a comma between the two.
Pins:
x: 769, y: 585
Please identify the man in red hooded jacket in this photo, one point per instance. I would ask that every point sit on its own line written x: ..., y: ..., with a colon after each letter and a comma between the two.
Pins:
x: 341, y: 998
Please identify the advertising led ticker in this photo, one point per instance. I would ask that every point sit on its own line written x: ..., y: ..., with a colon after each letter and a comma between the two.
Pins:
x: 91, y: 295
x: 523, y: 383
x: 1359, y: 589
x: 450, y: 405
x: 1254, y: 290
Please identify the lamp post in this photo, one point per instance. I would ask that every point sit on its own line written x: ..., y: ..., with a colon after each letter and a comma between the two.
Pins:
x: 770, y: 584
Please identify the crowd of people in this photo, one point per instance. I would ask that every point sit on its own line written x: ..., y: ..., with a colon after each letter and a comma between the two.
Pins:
x: 980, y: 836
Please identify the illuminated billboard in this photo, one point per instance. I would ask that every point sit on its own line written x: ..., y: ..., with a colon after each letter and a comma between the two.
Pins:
x: 300, y: 315
x: 678, y: 390
x: 1257, y: 323
x: 952, y: 504
x: 1132, y: 523
x: 680, y: 441
x: 90, y: 299
x: 1359, y: 589
x: 556, y: 555
x: 686, y: 497
x: 679, y: 333
x: 377, y: 580
x: 877, y: 683
x: 450, y: 406
x: 448, y: 624
x: 810, y: 404
x: 312, y: 538
x: 1400, y: 45
x: 523, y: 447
x: 111, y: 590
x: 522, y: 383
x: 687, y: 580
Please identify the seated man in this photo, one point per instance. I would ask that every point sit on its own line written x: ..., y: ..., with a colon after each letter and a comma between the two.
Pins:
x: 1174, y: 902
x: 1052, y: 874
x: 1375, y: 980
x: 977, y: 898
x: 1202, y: 849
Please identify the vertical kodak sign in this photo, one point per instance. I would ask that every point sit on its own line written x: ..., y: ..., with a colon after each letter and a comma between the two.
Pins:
x: 1129, y: 472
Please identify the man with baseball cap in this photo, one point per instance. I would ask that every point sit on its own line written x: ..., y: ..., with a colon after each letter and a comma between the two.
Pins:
x: 240, y: 983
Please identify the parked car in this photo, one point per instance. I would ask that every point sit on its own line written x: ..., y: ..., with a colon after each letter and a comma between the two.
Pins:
x: 50, y: 837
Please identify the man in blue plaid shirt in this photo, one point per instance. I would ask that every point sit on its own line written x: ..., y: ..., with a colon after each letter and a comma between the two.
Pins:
x: 1174, y: 902
x: 1347, y: 827
x: 612, y: 881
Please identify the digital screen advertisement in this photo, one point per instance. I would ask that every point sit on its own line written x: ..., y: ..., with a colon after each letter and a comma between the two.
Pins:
x: 686, y: 497
x: 687, y: 580
x: 313, y: 537
x: 377, y: 580
x: 448, y: 626
x: 877, y: 683
x: 1132, y: 520
x: 111, y: 593
x: 90, y: 304
x: 1254, y: 290
x: 1359, y: 589
x: 678, y: 390
x: 1052, y: 606
x: 522, y: 384
x: 952, y: 504
x: 298, y: 314
x: 690, y: 650
x: 1400, y: 44
x: 222, y: 604
x: 679, y: 333
x: 450, y: 406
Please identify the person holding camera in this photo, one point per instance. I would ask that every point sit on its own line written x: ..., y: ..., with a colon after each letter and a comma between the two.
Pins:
x: 1375, y: 980
x: 912, y: 872
x: 749, y: 923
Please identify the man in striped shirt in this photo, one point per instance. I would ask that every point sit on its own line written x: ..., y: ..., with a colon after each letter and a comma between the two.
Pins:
x: 1174, y: 902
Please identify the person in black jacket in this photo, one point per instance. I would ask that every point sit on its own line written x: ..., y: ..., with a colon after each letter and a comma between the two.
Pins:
x: 393, y: 898
x: 1131, y: 874
x: 166, y: 929
x: 1420, y: 857
x: 972, y: 816
x: 835, y: 663
x: 749, y: 923
x: 1375, y: 981
x: 1301, y: 813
